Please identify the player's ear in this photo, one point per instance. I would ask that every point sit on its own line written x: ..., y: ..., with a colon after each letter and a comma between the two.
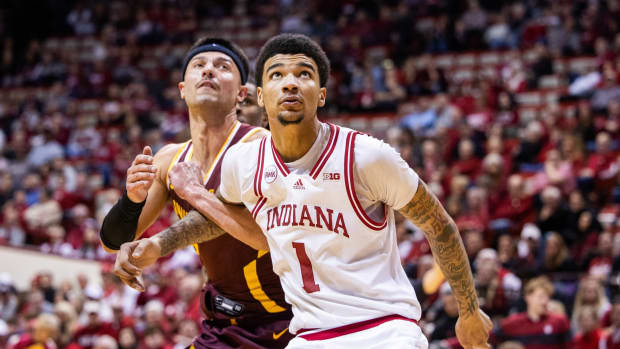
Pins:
x: 322, y: 96
x: 259, y: 96
x: 181, y: 85
x: 243, y: 93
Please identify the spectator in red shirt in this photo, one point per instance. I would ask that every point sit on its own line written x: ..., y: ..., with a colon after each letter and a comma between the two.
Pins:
x: 536, y: 328
x: 154, y: 317
x: 517, y: 205
x: 467, y: 163
x: 612, y: 339
x: 498, y: 288
x: 476, y: 208
x: 602, y: 165
x: 599, y: 261
x: 44, y: 332
x: 590, y: 332
x: 86, y: 336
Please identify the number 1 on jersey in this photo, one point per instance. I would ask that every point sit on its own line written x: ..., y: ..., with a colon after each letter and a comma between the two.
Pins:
x: 306, y: 268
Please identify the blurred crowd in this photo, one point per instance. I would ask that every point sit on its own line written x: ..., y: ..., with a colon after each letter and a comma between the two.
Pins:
x: 534, y: 186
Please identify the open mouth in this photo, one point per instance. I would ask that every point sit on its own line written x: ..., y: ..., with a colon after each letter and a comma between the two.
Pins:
x: 290, y: 100
x: 207, y: 83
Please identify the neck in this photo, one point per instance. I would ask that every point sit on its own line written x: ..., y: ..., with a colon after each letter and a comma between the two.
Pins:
x: 294, y: 141
x: 208, y: 132
x: 534, y: 316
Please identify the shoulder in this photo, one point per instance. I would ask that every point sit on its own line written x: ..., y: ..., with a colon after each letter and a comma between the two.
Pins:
x: 164, y: 157
x: 243, y: 153
x: 254, y: 133
x: 370, y: 146
x: 372, y: 152
x: 168, y: 151
x: 249, y: 145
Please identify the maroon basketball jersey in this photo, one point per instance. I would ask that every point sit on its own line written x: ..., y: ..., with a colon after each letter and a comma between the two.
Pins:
x: 234, y: 269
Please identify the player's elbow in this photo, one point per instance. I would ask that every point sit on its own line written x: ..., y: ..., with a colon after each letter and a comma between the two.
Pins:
x: 260, y: 245
x: 107, y: 249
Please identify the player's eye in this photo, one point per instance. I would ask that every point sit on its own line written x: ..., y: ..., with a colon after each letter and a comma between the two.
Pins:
x: 275, y: 75
x: 305, y: 74
x: 198, y: 65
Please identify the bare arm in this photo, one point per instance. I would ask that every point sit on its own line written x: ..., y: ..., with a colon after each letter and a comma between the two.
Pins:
x: 235, y: 220
x: 196, y: 228
x: 426, y: 212
x: 192, y: 229
x: 157, y: 194
x: 134, y: 256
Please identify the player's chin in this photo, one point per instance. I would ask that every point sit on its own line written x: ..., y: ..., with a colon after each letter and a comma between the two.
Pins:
x: 289, y: 117
x: 206, y: 97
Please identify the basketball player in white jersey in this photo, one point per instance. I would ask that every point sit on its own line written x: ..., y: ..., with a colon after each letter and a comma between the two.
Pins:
x: 324, y: 198
x: 243, y: 301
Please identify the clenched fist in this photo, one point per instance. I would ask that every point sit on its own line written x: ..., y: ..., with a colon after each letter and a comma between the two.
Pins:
x: 133, y: 258
x: 473, y: 331
x: 184, y: 176
x: 140, y: 176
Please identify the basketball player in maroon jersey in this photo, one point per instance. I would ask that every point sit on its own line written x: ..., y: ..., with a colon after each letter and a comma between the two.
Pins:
x: 242, y: 300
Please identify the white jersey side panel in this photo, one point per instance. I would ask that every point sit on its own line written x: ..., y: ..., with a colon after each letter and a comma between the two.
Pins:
x: 337, y: 265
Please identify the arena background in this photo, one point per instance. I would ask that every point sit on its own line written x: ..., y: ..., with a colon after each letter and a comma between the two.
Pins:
x: 510, y: 110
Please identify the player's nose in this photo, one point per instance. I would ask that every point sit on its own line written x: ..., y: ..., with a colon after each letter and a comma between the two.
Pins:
x: 290, y: 84
x: 208, y: 70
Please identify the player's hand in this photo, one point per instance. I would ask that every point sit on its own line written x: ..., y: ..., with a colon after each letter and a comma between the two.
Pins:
x: 473, y: 331
x: 140, y: 175
x: 184, y: 176
x: 133, y: 257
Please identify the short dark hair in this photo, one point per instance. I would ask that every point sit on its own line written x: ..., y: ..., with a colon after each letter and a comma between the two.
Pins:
x: 245, y: 62
x: 292, y: 44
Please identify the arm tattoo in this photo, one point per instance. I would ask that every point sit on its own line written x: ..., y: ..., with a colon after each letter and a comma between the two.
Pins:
x: 426, y: 212
x: 192, y: 229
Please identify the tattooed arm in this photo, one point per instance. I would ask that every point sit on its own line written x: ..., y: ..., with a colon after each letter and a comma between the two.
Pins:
x: 194, y: 228
x: 134, y: 256
x: 426, y: 212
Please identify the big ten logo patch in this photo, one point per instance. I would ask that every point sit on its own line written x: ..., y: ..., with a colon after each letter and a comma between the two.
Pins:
x: 270, y: 174
x: 331, y: 176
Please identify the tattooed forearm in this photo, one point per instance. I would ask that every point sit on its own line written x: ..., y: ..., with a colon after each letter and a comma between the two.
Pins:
x: 426, y: 212
x: 192, y: 229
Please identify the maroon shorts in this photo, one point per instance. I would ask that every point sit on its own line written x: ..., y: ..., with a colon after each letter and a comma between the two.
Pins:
x: 255, y: 331
x: 268, y: 332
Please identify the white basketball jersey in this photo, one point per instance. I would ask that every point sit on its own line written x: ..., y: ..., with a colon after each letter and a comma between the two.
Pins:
x: 336, y: 264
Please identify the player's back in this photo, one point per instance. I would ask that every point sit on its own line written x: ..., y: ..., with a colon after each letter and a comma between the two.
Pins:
x: 337, y: 258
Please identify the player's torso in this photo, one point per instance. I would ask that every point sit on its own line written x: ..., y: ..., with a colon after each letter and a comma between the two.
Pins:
x: 234, y: 269
x: 337, y: 264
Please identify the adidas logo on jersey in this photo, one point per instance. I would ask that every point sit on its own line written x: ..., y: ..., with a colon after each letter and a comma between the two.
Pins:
x: 299, y: 185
